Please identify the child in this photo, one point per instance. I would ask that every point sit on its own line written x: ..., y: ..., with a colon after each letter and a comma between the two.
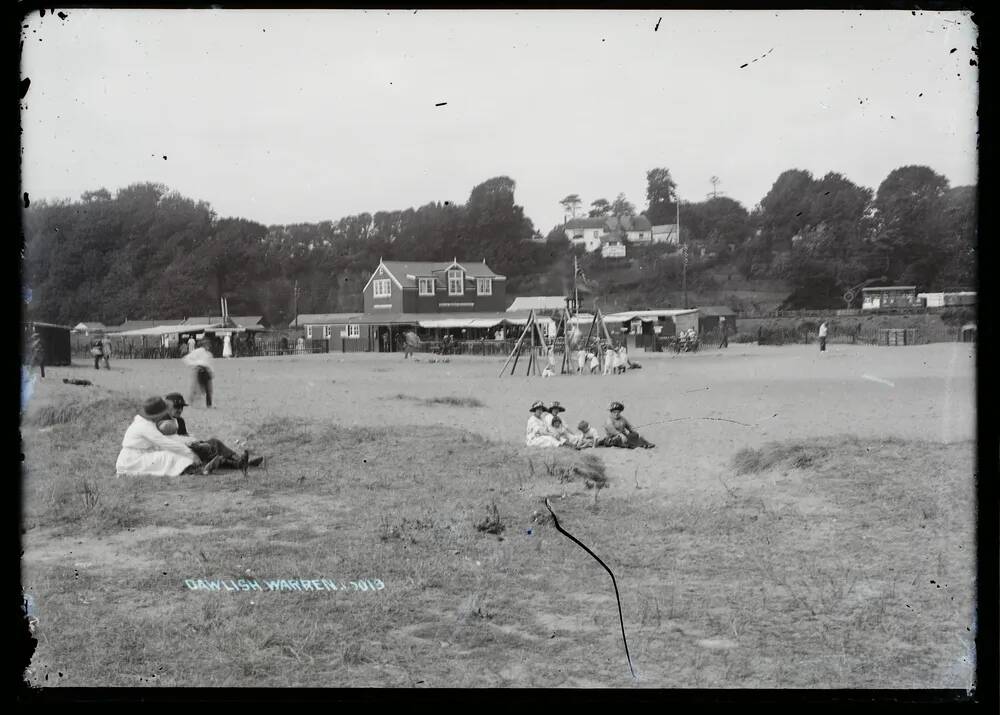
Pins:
x: 562, y: 432
x: 593, y: 362
x: 589, y: 436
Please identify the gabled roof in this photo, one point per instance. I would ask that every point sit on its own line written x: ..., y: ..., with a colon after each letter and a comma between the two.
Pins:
x: 90, y: 325
x: 585, y: 223
x: 406, y: 273
x: 538, y: 302
x: 628, y: 223
x: 244, y: 321
x: 137, y: 324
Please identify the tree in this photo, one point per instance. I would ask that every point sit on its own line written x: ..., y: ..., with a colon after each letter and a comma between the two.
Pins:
x: 661, y: 193
x: 599, y: 208
x: 622, y: 207
x: 571, y: 203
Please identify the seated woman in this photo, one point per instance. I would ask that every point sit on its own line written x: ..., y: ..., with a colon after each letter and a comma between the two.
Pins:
x: 539, y: 434
x: 620, y: 432
x: 146, y: 451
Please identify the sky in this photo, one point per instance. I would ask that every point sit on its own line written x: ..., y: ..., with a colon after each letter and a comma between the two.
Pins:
x: 284, y: 116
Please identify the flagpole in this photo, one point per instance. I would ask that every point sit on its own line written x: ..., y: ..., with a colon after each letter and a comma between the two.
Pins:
x: 576, y: 292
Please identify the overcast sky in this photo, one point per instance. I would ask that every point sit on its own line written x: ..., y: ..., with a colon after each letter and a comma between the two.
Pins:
x: 303, y: 116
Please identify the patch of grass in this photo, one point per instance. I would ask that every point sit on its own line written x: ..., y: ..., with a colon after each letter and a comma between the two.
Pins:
x: 493, y: 523
x: 80, y: 410
x: 775, y: 454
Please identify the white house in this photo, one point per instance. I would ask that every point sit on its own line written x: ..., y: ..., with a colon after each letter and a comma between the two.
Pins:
x: 612, y: 245
x: 586, y: 232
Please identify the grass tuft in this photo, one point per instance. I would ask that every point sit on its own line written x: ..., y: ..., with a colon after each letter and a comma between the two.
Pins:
x: 772, y: 455
x: 447, y: 400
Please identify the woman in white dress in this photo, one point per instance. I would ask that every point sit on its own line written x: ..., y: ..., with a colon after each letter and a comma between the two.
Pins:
x: 227, y: 346
x: 146, y: 451
x: 538, y: 432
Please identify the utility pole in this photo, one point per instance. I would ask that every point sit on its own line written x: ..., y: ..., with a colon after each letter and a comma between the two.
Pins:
x: 684, y: 251
x: 576, y: 292
x: 715, y: 181
x: 295, y: 297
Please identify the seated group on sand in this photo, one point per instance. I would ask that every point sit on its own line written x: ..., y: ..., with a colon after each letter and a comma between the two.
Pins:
x: 157, y: 444
x: 546, y: 428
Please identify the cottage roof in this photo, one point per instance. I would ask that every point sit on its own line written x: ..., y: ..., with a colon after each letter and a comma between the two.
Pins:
x: 137, y: 324
x: 243, y: 321
x: 92, y: 326
x: 613, y: 237
x: 585, y: 223
x: 628, y: 223
x: 325, y: 319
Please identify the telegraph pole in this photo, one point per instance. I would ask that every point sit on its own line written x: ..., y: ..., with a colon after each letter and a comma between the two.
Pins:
x: 296, y: 303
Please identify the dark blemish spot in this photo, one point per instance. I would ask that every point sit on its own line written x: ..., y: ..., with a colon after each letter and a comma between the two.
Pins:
x: 891, y: 117
x: 25, y: 83
x: 744, y: 65
x: 26, y: 202
x: 933, y: 581
x: 63, y: 16
x: 799, y: 213
x: 446, y: 203
x: 972, y: 62
x: 975, y: 49
x: 657, y: 25
x: 602, y: 39
x: 953, y: 49
x: 41, y: 13
x: 440, y: 104
x: 921, y: 94
x: 164, y: 157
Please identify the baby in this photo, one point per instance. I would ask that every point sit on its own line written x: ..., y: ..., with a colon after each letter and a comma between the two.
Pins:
x: 562, y: 433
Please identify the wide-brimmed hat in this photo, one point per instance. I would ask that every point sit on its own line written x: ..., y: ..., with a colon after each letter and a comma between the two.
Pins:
x: 556, y: 407
x: 615, y: 406
x: 154, y: 409
x: 537, y: 404
x: 176, y: 398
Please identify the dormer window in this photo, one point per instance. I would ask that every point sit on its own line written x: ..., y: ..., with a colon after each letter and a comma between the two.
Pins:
x: 455, y: 281
x: 382, y: 287
x: 484, y: 286
x: 425, y: 286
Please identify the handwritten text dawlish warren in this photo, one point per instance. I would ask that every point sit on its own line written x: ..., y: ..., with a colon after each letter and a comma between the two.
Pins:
x: 321, y: 584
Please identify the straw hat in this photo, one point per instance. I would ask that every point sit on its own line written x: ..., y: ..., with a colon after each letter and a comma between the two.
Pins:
x: 556, y: 407
x: 536, y: 405
x: 616, y: 406
x: 154, y: 409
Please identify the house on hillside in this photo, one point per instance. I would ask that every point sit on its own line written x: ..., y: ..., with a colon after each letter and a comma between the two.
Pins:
x: 889, y: 297
x: 586, y: 232
x: 593, y: 233
x: 613, y: 245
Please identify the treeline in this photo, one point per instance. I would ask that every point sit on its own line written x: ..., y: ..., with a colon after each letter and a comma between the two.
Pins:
x: 147, y: 252
x: 823, y: 236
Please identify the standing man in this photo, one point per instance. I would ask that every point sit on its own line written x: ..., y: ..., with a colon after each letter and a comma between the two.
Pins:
x: 725, y: 332
x: 37, y: 350
x: 201, y: 360
x: 106, y: 351
x: 822, y: 337
x: 97, y: 350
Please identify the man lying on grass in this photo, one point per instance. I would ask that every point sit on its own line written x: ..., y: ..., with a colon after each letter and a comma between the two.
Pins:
x: 208, y: 450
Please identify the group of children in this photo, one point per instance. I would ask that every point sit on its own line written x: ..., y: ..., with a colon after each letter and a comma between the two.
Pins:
x: 546, y: 428
x: 157, y: 444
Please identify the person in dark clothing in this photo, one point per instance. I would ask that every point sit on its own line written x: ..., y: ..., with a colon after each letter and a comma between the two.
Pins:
x: 207, y: 449
x: 37, y: 351
x: 97, y: 351
x: 725, y: 332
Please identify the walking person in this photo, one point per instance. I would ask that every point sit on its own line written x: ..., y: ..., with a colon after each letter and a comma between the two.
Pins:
x: 822, y: 337
x: 106, y: 351
x: 227, y: 346
x: 725, y: 332
x: 97, y: 351
x: 37, y: 351
x: 201, y: 362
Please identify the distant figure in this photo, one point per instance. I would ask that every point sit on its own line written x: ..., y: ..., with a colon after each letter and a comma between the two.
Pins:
x: 725, y: 332
x: 300, y: 345
x: 581, y: 360
x: 37, y: 351
x: 822, y: 337
x: 620, y: 360
x: 191, y: 345
x: 410, y: 342
x: 593, y: 362
x: 201, y: 362
x: 97, y: 351
x: 227, y: 346
x: 106, y: 351
x: 609, y: 358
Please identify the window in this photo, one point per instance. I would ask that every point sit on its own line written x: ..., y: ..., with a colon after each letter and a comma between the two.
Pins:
x: 426, y: 286
x: 455, y: 282
x: 309, y: 332
x: 382, y: 288
x: 354, y: 331
x: 484, y: 286
x: 327, y: 332
x: 597, y: 234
